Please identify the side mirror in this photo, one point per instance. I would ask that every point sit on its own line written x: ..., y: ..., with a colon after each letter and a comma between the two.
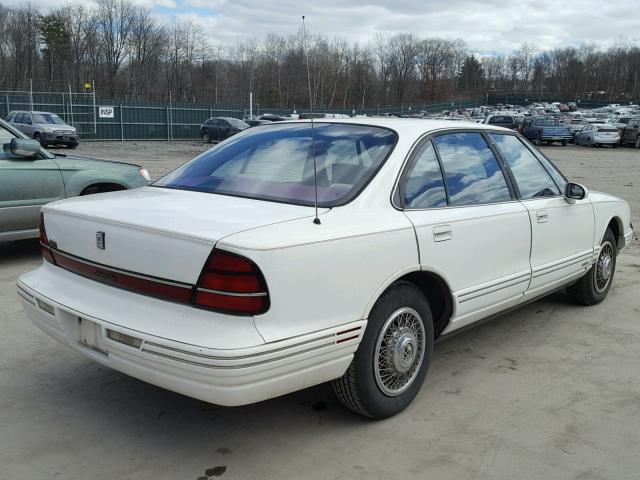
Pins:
x: 22, y: 147
x: 574, y: 191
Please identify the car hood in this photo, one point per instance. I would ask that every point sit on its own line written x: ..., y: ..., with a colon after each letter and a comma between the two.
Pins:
x: 87, y: 162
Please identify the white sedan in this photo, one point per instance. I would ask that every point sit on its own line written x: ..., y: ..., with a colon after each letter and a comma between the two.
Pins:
x: 222, y: 282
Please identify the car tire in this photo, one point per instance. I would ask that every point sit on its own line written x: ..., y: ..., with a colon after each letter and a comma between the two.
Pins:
x: 206, y: 138
x: 381, y: 387
x: 73, y: 146
x: 38, y: 138
x: 637, y: 144
x: 538, y: 140
x: 564, y: 143
x: 593, y: 287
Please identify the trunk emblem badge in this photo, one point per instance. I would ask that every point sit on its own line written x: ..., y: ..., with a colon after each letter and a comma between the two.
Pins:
x: 100, y: 240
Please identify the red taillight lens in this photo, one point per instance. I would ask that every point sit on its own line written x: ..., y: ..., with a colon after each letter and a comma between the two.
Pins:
x: 44, y: 242
x: 232, y: 284
x: 43, y: 233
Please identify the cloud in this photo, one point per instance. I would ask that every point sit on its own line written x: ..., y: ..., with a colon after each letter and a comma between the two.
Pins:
x: 487, y: 26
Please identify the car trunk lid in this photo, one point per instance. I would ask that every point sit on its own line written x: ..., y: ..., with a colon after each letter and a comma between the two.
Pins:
x: 158, y: 232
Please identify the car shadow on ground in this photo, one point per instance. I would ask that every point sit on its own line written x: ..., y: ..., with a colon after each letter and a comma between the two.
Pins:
x: 17, y: 252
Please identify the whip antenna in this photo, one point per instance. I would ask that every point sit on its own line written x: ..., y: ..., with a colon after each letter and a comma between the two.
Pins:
x: 316, y: 220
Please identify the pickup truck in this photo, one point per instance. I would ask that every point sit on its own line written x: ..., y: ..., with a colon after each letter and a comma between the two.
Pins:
x: 547, y: 130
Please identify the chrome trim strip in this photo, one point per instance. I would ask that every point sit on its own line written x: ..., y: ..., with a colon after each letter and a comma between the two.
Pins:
x: 238, y: 367
x: 560, y: 267
x: 232, y: 294
x: 117, y: 270
x: 501, y: 287
x: 567, y: 261
x: 24, y: 295
x: 242, y: 357
x: 501, y: 282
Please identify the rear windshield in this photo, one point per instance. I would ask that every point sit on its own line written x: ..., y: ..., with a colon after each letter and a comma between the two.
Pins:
x: 275, y: 162
x: 607, y: 129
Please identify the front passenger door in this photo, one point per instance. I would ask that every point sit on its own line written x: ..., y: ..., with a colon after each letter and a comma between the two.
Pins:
x: 25, y: 185
x: 561, y: 233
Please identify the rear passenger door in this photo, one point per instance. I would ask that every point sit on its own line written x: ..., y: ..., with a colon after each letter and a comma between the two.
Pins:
x: 562, y: 233
x: 470, y: 228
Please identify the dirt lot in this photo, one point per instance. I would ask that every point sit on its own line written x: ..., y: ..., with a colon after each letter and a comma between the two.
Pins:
x: 551, y: 391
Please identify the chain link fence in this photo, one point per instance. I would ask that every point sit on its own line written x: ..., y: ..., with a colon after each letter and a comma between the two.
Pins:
x: 109, y: 119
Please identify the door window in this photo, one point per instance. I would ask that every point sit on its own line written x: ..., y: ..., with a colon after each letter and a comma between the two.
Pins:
x: 423, y: 185
x: 472, y: 172
x: 531, y: 177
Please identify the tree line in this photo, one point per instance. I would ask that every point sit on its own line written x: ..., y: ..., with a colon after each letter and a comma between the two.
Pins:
x: 132, y: 54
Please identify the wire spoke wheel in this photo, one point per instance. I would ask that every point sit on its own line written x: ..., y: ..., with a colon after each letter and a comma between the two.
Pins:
x: 399, y: 351
x: 604, y: 267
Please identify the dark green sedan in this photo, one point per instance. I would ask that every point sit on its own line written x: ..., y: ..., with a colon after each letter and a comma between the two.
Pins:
x: 30, y: 177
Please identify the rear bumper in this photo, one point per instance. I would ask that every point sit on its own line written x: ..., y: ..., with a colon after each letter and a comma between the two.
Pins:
x: 224, y: 376
x: 606, y: 141
x: 557, y: 138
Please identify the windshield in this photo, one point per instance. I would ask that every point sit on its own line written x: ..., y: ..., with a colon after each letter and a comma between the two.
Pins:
x: 47, y: 118
x: 275, y: 162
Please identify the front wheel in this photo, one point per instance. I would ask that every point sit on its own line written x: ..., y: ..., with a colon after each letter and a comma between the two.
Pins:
x: 637, y: 144
x: 206, y: 138
x: 392, y: 360
x: 38, y: 139
x: 593, y: 287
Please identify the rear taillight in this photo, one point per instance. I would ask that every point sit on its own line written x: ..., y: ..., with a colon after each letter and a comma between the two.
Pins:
x: 230, y: 283
x: 44, y: 242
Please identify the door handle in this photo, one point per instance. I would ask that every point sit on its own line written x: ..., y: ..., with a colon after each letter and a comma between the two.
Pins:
x: 542, y: 216
x: 442, y: 233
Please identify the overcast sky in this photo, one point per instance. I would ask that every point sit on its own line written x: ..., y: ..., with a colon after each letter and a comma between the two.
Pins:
x: 486, y: 25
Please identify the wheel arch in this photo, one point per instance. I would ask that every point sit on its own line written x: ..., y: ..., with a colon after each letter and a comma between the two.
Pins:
x: 102, y: 187
x: 615, y: 225
x: 434, y: 287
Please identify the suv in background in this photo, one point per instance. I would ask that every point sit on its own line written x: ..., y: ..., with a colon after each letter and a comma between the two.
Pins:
x: 219, y: 128
x: 45, y: 127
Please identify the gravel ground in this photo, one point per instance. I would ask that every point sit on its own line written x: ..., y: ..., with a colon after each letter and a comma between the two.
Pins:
x: 546, y: 392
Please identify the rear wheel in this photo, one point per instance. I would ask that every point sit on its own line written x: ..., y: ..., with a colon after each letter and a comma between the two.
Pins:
x: 593, y: 287
x: 206, y: 138
x: 392, y: 360
x: 72, y: 146
x: 637, y: 144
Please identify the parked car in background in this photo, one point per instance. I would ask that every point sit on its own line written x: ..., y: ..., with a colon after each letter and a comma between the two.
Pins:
x: 238, y: 290
x: 272, y: 117
x: 630, y: 133
x: 546, y: 130
x: 254, y: 122
x: 564, y: 108
x: 31, y: 177
x: 575, y: 125
x: 572, y: 106
x: 597, y: 134
x: 501, y: 120
x: 45, y: 127
x: 217, y: 129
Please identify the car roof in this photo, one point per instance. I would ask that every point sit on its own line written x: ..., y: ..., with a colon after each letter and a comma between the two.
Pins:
x: 407, y: 127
